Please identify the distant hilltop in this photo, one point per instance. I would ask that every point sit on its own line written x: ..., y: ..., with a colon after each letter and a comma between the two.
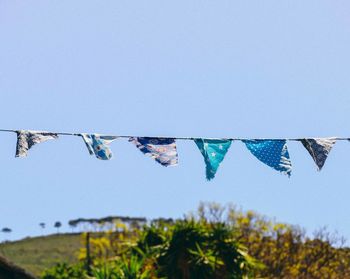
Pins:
x: 110, y: 222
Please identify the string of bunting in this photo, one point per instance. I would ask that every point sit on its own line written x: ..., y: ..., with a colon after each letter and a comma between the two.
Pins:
x: 272, y: 152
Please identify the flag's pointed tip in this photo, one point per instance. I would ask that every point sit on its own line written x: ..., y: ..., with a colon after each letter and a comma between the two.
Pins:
x: 209, y: 178
x: 287, y: 173
x: 105, y: 158
x: 21, y: 156
x: 209, y: 173
x: 170, y: 165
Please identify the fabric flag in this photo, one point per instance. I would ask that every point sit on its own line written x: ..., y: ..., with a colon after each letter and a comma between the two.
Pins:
x: 99, y: 145
x: 273, y: 153
x: 319, y: 149
x: 163, y: 150
x: 214, y: 152
x: 26, y: 139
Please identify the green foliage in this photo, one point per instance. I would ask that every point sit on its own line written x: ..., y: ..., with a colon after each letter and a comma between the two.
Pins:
x: 191, y: 249
x: 107, y: 271
x: 187, y: 249
x: 286, y: 251
x: 122, y: 268
x: 132, y: 268
x: 178, y: 259
x: 64, y: 271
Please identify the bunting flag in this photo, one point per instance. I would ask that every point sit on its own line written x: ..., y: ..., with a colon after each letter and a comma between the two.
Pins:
x: 163, y: 150
x: 319, y: 149
x: 99, y: 145
x: 273, y: 153
x: 27, y: 139
x: 214, y: 152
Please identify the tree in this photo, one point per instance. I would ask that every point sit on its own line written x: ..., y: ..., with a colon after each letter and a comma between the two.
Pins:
x: 193, y: 249
x: 72, y: 224
x: 57, y: 225
x: 7, y: 231
x: 42, y: 226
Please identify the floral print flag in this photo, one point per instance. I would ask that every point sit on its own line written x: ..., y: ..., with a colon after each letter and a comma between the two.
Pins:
x: 27, y: 139
x: 214, y: 152
x: 163, y: 150
x: 319, y: 149
x: 273, y: 153
x: 99, y: 145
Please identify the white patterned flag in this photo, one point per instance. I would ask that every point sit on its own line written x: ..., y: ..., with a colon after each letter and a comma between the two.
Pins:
x: 319, y: 149
x: 27, y: 139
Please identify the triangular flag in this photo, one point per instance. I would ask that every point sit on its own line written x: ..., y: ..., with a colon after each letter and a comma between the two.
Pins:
x: 27, y: 139
x: 214, y: 152
x: 163, y: 150
x: 319, y: 149
x: 273, y: 153
x: 99, y: 145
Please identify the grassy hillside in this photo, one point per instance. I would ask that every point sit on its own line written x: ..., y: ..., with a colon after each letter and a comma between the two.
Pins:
x: 284, y: 250
x: 37, y: 253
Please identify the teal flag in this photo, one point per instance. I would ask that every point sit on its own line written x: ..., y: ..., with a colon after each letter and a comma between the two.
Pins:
x: 214, y: 152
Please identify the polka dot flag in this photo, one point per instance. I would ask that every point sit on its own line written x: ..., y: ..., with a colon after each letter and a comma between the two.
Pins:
x: 273, y: 153
x: 214, y: 152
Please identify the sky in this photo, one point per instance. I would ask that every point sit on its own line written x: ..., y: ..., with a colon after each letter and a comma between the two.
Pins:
x: 252, y: 69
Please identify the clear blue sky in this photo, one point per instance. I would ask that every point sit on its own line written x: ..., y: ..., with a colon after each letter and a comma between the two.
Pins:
x: 183, y: 68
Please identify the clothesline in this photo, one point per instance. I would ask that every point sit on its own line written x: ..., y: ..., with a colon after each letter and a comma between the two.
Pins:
x: 272, y: 152
x: 180, y: 138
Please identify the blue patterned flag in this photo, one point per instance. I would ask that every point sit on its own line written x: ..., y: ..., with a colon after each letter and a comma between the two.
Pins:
x: 99, y: 145
x: 319, y: 149
x: 214, y: 152
x: 163, y: 150
x: 273, y: 153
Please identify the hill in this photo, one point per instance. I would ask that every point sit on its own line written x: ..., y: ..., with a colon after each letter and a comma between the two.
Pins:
x: 10, y: 271
x: 284, y: 251
x: 38, y: 253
